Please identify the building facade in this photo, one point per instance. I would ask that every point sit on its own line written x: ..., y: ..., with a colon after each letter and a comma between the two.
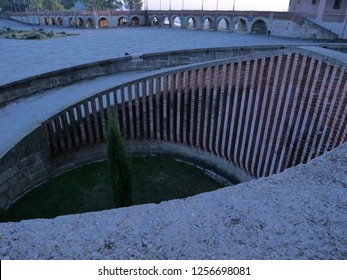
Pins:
x: 330, y: 14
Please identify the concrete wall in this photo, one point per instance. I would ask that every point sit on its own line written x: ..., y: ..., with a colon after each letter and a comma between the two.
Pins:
x: 260, y: 114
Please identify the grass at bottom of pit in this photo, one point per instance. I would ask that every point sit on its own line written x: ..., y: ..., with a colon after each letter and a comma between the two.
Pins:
x: 87, y: 188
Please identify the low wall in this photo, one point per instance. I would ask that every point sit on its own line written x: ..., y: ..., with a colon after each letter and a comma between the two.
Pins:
x: 35, y: 84
x: 39, y: 83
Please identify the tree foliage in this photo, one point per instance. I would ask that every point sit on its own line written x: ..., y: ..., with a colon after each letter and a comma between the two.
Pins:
x: 133, y: 5
x: 102, y: 4
x: 118, y: 163
x: 6, y: 5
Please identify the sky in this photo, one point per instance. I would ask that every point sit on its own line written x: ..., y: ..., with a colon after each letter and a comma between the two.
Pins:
x: 264, y: 5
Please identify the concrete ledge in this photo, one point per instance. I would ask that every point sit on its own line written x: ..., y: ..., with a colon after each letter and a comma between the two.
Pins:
x: 298, y: 214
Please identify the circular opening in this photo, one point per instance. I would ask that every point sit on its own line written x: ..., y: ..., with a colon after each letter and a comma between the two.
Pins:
x: 155, y: 179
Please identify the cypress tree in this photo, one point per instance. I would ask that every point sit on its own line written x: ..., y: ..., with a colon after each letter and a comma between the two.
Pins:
x: 118, y: 163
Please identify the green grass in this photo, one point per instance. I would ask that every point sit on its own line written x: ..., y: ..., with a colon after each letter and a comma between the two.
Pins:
x: 88, y: 189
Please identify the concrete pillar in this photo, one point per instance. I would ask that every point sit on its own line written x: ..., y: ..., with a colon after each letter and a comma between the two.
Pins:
x: 321, y: 9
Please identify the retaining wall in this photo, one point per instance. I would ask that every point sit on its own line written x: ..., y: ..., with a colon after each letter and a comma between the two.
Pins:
x: 261, y: 113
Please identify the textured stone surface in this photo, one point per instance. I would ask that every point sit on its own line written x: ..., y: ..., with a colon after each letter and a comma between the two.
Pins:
x: 298, y: 214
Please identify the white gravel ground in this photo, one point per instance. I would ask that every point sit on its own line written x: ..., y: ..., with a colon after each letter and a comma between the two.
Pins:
x: 299, y: 214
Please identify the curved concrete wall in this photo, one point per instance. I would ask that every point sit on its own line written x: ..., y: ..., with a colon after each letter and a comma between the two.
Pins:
x: 262, y: 113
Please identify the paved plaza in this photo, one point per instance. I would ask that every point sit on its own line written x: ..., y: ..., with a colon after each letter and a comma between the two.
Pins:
x: 25, y: 58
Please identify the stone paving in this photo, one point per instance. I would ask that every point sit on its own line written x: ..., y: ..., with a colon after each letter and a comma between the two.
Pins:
x: 25, y: 58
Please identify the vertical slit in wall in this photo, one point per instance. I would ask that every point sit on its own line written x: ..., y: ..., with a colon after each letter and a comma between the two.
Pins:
x: 256, y: 108
x: 292, y: 132
x: 66, y: 131
x: 184, y: 123
x: 152, y: 110
x: 260, y: 124
x: 273, y: 119
x: 94, y: 121
x: 243, y: 102
x: 341, y: 112
x: 287, y: 98
x: 144, y: 110
x: 81, y: 128
x: 249, y: 111
x: 270, y: 109
x: 322, y: 110
x: 200, y: 75
x: 74, y: 125
x: 221, y: 110
x: 300, y: 129
x: 215, y: 108
x: 125, y: 116
x: 159, y: 107
x: 314, y: 113
x: 53, y: 145
x: 138, y: 127
x: 227, y: 120
x: 235, y: 99
x: 332, y: 99
x: 192, y: 104
x: 102, y: 119
x: 88, y: 122
x: 172, y: 107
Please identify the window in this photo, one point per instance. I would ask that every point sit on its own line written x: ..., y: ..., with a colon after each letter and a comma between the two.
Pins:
x: 337, y: 4
x: 314, y: 2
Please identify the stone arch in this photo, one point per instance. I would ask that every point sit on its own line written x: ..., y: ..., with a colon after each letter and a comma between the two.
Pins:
x: 80, y: 22
x: 259, y: 27
x: 165, y: 21
x: 207, y: 23
x: 155, y: 21
x: 51, y: 21
x: 176, y: 22
x: 122, y: 21
x: 192, y: 23
x: 30, y: 19
x: 90, y: 23
x: 59, y: 21
x: 240, y: 25
x: 135, y: 21
x: 103, y: 22
x: 72, y: 22
x: 223, y: 24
